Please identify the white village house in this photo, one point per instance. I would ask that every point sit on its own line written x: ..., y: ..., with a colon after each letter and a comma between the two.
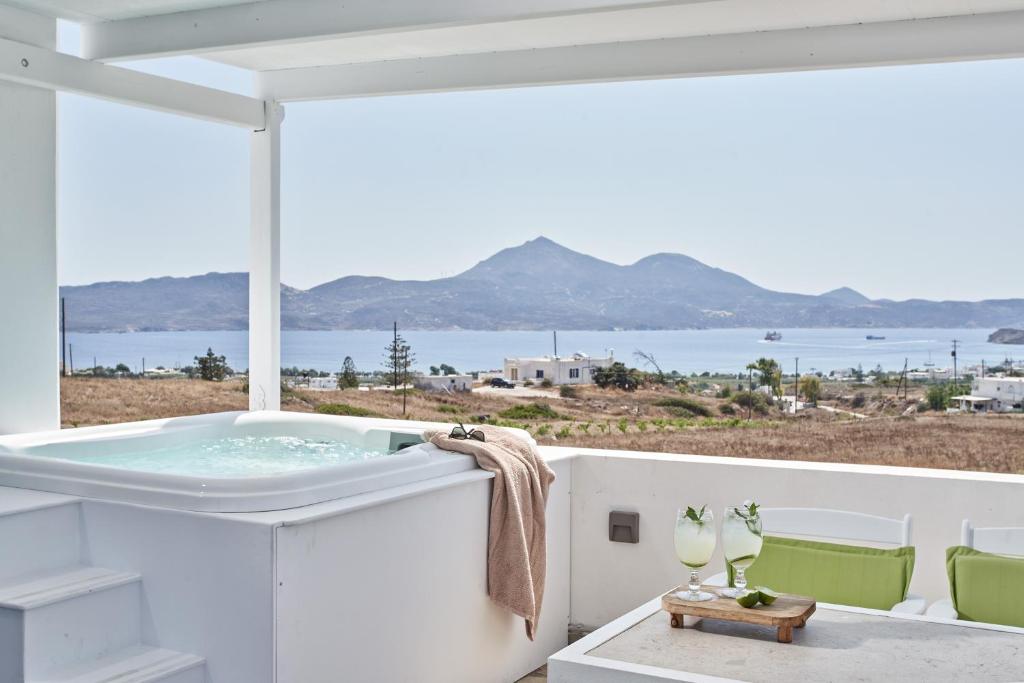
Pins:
x: 575, y: 369
x: 992, y: 395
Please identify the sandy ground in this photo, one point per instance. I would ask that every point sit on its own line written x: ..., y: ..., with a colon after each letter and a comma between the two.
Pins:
x: 617, y: 420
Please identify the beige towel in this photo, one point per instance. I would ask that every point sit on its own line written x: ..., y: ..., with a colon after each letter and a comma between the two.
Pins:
x: 516, y: 539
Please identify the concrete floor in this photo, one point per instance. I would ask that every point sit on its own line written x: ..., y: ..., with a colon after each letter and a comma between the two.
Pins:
x: 538, y: 676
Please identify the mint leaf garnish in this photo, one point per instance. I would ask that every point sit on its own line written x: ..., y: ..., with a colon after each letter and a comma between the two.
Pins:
x: 748, y: 513
x: 697, y: 517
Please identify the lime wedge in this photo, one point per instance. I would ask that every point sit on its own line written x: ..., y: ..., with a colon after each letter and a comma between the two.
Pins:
x: 766, y: 595
x: 749, y: 599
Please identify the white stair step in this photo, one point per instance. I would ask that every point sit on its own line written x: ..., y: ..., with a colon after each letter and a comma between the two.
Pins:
x: 77, y: 615
x: 37, y: 536
x: 136, y: 664
x: 56, y: 586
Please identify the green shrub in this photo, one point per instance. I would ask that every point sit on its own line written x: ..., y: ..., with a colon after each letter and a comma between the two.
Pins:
x: 568, y: 391
x: 938, y: 395
x: 543, y: 430
x: 642, y: 425
x: 752, y: 400
x: 530, y: 411
x: 623, y: 425
x: 727, y: 409
x: 683, y: 407
x: 810, y: 388
x: 584, y: 427
x: 451, y: 410
x: 528, y: 383
x: 344, y: 409
x: 547, y: 383
x: 617, y: 376
x: 859, y: 399
x: 564, y: 432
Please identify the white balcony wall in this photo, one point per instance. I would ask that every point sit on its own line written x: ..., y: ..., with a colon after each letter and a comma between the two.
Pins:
x: 609, y: 579
x: 29, y: 385
x: 398, y: 592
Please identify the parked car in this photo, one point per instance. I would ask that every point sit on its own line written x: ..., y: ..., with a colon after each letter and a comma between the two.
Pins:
x: 502, y: 384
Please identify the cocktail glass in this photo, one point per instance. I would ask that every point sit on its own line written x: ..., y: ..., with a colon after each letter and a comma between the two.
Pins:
x: 695, y: 543
x: 741, y: 544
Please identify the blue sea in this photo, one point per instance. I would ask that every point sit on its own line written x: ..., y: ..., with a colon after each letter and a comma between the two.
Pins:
x: 683, y: 350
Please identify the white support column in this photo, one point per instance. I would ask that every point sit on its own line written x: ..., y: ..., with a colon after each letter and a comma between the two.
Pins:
x: 265, y: 264
x: 29, y: 345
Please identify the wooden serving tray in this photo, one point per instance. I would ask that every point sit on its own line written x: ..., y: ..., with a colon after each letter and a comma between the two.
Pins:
x: 785, y: 614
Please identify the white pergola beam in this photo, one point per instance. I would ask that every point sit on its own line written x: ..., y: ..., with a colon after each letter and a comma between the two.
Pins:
x: 44, y: 68
x: 982, y: 36
x: 284, y: 21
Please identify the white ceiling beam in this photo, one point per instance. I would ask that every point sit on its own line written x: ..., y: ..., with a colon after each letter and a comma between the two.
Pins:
x: 983, y: 36
x: 42, y: 68
x: 286, y: 21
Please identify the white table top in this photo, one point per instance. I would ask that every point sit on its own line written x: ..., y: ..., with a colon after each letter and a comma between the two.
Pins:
x: 838, y: 644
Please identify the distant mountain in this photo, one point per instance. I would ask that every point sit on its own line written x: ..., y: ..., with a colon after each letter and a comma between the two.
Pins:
x: 537, y: 285
x: 1007, y: 335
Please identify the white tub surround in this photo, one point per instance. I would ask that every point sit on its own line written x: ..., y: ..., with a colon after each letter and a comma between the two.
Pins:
x: 34, y: 461
x: 372, y: 587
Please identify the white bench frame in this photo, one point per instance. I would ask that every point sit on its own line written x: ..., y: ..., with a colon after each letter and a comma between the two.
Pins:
x: 841, y: 525
x: 1001, y: 540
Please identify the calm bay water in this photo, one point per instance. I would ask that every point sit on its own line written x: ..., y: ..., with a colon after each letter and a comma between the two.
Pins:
x: 683, y: 350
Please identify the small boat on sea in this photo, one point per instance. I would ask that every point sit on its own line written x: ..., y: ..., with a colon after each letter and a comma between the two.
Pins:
x: 874, y: 337
x: 772, y: 336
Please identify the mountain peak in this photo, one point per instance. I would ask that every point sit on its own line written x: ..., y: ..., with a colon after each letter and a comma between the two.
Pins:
x: 539, y: 258
x: 846, y: 295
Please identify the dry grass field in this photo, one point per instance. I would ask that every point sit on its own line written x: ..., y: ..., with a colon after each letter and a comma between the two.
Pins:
x: 617, y: 420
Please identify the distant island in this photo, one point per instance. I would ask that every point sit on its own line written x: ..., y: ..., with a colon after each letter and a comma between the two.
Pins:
x: 1007, y: 335
x: 539, y: 285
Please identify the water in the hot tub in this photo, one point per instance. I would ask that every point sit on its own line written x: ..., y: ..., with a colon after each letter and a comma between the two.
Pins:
x: 238, y: 456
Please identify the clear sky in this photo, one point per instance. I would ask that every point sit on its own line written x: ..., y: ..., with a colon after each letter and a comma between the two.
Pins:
x: 900, y: 182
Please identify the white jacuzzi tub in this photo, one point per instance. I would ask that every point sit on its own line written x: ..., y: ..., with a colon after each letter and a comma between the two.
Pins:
x: 175, y: 462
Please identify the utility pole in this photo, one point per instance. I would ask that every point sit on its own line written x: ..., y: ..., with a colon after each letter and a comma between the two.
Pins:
x: 983, y: 368
x: 904, y: 383
x: 554, y: 334
x: 71, y: 358
x: 63, y: 342
x: 796, y: 386
x: 956, y: 376
x: 750, y: 394
x: 394, y: 354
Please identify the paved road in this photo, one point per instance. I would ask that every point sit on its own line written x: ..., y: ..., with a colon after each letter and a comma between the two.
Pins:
x: 519, y: 392
x: 845, y: 412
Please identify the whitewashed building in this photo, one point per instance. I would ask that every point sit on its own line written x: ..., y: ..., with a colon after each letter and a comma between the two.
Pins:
x: 993, y: 395
x: 575, y: 369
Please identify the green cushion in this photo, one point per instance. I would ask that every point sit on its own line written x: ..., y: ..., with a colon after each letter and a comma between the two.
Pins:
x: 986, y: 587
x: 831, y: 572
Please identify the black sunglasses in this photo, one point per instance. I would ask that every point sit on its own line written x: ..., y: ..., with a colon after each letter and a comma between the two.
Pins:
x: 461, y: 433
